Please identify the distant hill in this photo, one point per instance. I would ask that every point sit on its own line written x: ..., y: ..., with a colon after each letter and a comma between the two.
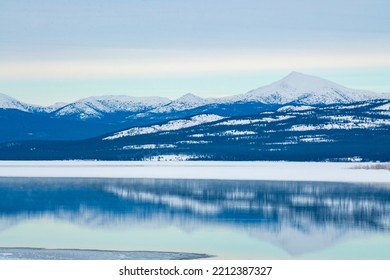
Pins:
x: 299, y: 117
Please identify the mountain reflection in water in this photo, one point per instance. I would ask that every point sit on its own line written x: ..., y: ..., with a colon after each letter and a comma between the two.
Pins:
x: 311, y: 214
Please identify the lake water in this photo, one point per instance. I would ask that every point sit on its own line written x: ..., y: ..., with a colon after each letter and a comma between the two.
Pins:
x: 227, y: 219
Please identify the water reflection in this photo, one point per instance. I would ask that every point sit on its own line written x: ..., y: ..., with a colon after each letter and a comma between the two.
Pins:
x: 297, y: 216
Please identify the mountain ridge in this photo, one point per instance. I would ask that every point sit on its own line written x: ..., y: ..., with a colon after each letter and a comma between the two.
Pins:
x: 98, y: 115
x: 337, y: 132
x: 308, y: 90
x: 294, y: 88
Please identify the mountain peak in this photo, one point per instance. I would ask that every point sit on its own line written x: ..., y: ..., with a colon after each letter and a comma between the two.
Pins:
x: 185, y: 102
x: 4, y: 97
x: 305, y: 89
x: 309, y: 83
x: 295, y: 74
x: 8, y: 102
x: 189, y: 98
x: 97, y: 106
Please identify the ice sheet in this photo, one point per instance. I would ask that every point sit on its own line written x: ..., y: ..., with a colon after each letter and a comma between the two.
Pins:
x: 75, y: 254
x: 282, y: 171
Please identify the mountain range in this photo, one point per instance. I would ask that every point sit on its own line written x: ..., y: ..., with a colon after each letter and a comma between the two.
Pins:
x: 299, y: 117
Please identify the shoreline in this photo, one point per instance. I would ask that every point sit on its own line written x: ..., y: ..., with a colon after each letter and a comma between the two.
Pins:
x: 23, y: 253
x: 218, y: 170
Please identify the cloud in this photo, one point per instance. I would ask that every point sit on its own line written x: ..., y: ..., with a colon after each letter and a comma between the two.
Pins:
x: 140, y: 63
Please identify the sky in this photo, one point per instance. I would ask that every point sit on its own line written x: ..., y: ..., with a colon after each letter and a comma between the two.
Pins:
x: 65, y: 50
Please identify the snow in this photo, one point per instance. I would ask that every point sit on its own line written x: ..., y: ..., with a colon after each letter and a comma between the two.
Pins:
x: 93, y: 107
x: 173, y: 168
x: 233, y: 132
x: 171, y: 157
x: 277, y: 119
x: 193, y: 142
x: 84, y: 111
x: 341, y: 118
x: 169, y: 126
x: 295, y: 88
x: 186, y: 102
x: 149, y: 146
x: 252, y: 121
x: 291, y: 142
x: 237, y: 122
x: 55, y: 107
x: 238, y: 133
x: 305, y: 89
x: 79, y: 254
x: 385, y: 107
x: 295, y: 108
x: 383, y: 113
x: 197, y: 135
x: 351, y: 123
x: 355, y: 106
x: 7, y: 102
x: 315, y: 140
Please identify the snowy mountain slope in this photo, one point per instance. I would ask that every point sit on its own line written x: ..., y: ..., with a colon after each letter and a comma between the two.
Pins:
x: 296, y: 92
x: 97, y: 106
x: 56, y: 106
x: 305, y: 89
x: 186, y: 102
x: 7, y: 102
x: 296, y: 88
x: 169, y: 126
x: 354, y: 132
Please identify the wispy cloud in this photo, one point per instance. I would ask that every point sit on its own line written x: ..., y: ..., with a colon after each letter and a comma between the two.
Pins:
x: 139, y: 63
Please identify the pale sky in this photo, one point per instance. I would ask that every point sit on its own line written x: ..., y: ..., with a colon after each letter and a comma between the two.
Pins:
x: 69, y: 49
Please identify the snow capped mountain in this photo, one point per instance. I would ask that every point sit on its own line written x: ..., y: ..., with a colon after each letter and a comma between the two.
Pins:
x: 336, y: 132
x: 190, y: 98
x: 7, y: 102
x: 55, y: 107
x: 186, y: 102
x: 305, y: 89
x: 79, y: 110
x: 294, y: 89
x: 97, y: 106
x: 283, y: 107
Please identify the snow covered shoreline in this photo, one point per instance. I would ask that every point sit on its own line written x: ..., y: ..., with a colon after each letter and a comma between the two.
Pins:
x: 79, y: 254
x: 259, y: 170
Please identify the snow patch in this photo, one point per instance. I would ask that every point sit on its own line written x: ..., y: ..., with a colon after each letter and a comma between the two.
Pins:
x: 170, y: 126
x: 343, y: 122
x: 237, y: 133
x: 309, y: 139
x: 385, y: 107
x: 173, y: 157
x: 197, y: 135
x: 238, y: 122
x: 193, y: 142
x: 149, y: 146
x: 295, y: 108
x: 277, y: 119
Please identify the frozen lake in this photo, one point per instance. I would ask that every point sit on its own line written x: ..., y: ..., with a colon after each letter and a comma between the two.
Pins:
x: 230, y: 219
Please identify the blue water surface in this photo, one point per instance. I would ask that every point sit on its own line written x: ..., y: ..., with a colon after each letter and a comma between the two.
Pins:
x: 227, y: 219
